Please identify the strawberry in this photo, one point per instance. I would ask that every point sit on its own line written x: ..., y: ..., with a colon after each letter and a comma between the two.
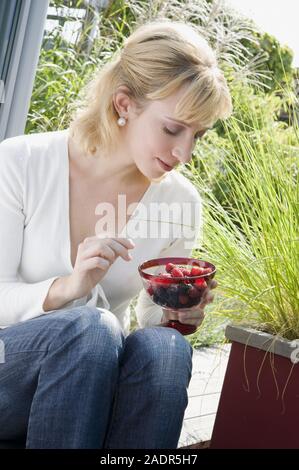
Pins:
x: 196, y: 271
x: 186, y: 272
x: 169, y: 267
x: 176, y: 272
x: 201, y: 283
x: 207, y: 270
x: 163, y: 278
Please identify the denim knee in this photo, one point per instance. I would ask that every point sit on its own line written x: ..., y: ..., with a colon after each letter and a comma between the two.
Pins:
x: 97, y: 332
x: 166, y: 351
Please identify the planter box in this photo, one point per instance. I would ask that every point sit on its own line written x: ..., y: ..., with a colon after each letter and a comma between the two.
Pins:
x: 259, y: 402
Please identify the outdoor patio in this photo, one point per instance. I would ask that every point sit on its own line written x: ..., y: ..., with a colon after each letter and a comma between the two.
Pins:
x: 209, y: 366
x: 71, y: 73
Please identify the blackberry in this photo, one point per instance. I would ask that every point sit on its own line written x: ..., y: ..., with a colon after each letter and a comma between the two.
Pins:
x: 158, y: 300
x: 160, y: 295
x: 172, y: 296
x: 192, y: 302
x: 184, y: 289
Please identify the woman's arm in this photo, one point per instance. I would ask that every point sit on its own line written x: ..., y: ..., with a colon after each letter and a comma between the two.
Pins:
x: 59, y: 294
x: 19, y: 301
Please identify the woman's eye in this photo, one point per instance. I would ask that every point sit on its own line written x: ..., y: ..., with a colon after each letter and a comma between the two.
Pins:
x: 167, y: 131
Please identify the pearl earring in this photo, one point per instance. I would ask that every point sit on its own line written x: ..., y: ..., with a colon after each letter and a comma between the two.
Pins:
x: 121, y: 121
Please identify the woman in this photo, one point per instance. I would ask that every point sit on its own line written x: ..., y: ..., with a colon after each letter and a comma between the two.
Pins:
x: 73, y: 375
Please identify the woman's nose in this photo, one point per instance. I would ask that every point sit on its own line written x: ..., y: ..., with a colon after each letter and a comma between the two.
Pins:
x: 182, y: 154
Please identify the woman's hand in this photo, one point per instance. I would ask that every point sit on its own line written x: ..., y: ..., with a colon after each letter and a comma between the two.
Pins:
x: 94, y: 257
x: 194, y: 315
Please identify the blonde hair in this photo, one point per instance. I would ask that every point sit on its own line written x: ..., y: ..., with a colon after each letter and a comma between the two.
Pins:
x: 155, y: 61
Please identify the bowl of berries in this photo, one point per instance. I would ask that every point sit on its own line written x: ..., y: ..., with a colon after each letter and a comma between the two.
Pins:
x: 176, y: 283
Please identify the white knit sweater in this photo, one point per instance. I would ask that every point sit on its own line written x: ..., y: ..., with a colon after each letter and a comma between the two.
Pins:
x: 35, y: 233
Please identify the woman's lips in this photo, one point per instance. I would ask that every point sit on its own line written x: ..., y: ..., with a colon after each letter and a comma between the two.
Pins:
x: 164, y: 165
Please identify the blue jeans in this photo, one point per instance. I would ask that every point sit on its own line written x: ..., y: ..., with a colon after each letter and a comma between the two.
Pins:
x: 71, y: 379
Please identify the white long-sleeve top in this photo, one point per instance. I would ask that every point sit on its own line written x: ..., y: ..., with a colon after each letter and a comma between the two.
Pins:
x: 35, y: 233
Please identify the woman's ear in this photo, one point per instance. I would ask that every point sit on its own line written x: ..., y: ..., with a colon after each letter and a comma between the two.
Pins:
x: 123, y: 103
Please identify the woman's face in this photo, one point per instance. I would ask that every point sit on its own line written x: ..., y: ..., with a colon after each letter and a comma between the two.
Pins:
x: 154, y: 139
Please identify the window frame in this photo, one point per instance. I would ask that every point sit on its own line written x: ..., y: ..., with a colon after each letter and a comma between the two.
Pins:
x: 20, y: 42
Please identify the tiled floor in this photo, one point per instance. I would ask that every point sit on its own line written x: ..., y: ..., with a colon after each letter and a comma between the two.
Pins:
x: 209, y: 365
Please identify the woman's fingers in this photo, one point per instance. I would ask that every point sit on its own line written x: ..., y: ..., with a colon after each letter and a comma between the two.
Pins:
x: 95, y: 250
x: 213, y: 284
x: 207, y: 299
x: 190, y: 319
x: 109, y: 248
x: 93, y: 263
x: 170, y: 314
x: 120, y: 249
x: 194, y: 315
x: 125, y: 242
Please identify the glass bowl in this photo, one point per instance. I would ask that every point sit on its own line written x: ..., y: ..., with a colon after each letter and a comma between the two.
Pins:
x: 176, y: 283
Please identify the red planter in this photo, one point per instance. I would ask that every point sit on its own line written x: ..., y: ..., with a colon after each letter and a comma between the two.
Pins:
x: 259, y: 403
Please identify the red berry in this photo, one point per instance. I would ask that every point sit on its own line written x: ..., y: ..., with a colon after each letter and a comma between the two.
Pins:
x: 150, y: 290
x: 183, y: 299
x: 193, y: 293
x: 169, y: 267
x: 176, y: 272
x: 201, y: 283
x: 207, y: 270
x: 196, y: 271
x: 163, y: 278
x: 186, y: 272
